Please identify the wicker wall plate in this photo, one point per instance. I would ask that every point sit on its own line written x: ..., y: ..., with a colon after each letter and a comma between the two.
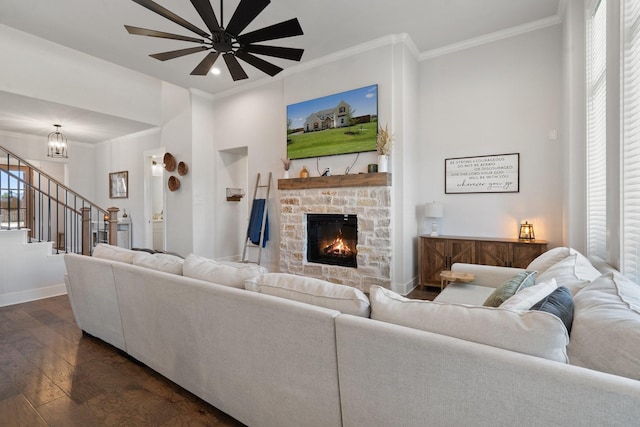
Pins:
x: 183, y: 169
x: 169, y: 162
x: 174, y: 183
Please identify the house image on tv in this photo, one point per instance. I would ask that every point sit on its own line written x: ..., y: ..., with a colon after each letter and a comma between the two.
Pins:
x: 327, y: 119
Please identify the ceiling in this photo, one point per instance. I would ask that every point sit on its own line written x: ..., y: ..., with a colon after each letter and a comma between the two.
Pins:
x: 96, y: 27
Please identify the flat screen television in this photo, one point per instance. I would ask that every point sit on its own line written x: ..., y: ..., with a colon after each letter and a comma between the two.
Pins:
x: 342, y: 123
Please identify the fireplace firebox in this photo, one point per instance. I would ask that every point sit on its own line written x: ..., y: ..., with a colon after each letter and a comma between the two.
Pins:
x: 332, y: 239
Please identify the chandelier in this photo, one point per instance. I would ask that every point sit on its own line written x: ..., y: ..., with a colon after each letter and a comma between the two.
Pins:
x: 57, y: 144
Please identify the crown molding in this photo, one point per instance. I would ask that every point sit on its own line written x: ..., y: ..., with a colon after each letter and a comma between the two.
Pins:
x: 388, y: 40
x: 492, y: 37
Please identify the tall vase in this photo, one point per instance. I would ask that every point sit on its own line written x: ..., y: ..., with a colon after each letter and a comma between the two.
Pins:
x: 382, y: 163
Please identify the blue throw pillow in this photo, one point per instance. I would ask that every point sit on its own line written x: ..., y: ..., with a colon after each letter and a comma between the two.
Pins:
x: 560, y: 303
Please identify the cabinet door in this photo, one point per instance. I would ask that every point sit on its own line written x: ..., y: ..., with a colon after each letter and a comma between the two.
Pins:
x: 524, y: 253
x: 493, y: 253
x: 433, y: 259
x: 461, y: 251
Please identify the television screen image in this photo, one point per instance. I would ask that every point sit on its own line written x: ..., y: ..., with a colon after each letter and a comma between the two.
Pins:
x: 342, y: 123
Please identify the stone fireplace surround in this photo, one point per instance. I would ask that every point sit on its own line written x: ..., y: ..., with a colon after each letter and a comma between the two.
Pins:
x: 366, y: 195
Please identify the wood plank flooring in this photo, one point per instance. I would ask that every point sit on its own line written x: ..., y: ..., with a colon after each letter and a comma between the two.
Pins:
x: 53, y: 375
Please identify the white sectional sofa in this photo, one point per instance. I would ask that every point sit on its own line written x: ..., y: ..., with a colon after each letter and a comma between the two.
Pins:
x: 279, y: 355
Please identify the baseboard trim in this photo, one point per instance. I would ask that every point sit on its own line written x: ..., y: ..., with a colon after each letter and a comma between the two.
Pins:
x: 404, y: 288
x: 32, y: 295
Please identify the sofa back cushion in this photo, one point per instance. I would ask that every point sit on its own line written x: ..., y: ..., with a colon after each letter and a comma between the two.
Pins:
x: 206, y: 269
x: 549, y: 258
x: 113, y: 253
x: 606, y: 326
x: 529, y: 332
x: 574, y: 272
x: 344, y: 299
x: 161, y: 262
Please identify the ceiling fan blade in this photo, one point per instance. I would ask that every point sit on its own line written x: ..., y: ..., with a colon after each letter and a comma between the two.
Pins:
x: 246, y: 12
x: 205, y: 65
x: 155, y: 7
x: 277, y: 51
x: 207, y: 14
x: 161, y: 34
x: 284, y: 29
x: 237, y: 73
x: 163, y: 56
x: 260, y: 64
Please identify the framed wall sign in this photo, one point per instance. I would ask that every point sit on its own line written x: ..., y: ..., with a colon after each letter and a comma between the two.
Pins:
x: 482, y: 174
x: 119, y: 185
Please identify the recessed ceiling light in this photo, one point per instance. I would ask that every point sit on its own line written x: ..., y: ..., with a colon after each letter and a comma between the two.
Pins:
x: 215, y: 71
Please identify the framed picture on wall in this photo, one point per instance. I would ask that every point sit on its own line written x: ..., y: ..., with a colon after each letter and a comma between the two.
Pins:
x: 119, y: 185
x: 482, y: 174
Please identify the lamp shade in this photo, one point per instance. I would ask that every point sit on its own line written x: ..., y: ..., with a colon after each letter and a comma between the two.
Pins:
x: 433, y: 210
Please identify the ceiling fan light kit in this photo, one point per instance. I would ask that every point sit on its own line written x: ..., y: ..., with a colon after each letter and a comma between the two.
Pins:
x: 227, y: 42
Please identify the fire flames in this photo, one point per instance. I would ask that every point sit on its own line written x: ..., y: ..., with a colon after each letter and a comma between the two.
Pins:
x: 338, y: 248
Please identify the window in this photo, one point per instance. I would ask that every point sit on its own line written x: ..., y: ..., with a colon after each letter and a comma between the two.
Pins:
x: 631, y: 140
x: 14, y: 200
x: 596, y: 131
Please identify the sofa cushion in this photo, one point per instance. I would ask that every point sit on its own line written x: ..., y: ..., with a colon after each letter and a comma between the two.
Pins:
x: 559, y: 303
x: 527, y: 297
x: 549, y: 258
x: 510, y: 287
x: 574, y: 272
x: 529, y: 332
x: 161, y: 262
x: 606, y: 326
x: 344, y: 299
x: 113, y: 253
x: 206, y: 269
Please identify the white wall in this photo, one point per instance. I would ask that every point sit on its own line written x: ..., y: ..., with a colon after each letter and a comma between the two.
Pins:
x: 40, y: 69
x: 256, y: 119
x: 177, y: 137
x: 497, y: 98
x: 574, y: 107
x: 125, y: 154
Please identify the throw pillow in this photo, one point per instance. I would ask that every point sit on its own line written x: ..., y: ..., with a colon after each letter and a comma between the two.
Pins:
x: 113, y: 253
x: 574, y: 272
x: 549, y: 258
x: 606, y: 326
x: 510, y: 287
x: 344, y: 299
x: 529, y: 332
x: 206, y: 269
x: 161, y: 262
x: 560, y: 303
x: 526, y: 298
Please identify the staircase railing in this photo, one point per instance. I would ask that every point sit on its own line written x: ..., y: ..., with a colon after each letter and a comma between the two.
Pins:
x: 52, y: 212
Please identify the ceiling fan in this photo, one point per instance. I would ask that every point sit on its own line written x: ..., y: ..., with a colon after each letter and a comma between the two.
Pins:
x: 226, y: 41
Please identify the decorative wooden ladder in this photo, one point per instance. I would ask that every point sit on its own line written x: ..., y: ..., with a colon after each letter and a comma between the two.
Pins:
x: 257, y: 229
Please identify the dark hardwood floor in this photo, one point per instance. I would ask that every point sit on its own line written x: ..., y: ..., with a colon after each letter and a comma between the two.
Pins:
x: 53, y: 375
x: 428, y: 292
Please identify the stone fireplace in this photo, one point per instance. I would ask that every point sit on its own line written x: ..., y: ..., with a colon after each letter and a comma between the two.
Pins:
x: 366, y: 198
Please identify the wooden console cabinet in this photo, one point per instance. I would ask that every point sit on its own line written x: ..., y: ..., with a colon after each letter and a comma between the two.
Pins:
x: 440, y: 253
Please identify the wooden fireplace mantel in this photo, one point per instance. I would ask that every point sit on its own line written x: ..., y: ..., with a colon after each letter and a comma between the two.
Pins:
x: 382, y: 179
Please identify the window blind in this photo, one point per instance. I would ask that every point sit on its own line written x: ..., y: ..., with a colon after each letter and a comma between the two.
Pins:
x: 631, y: 139
x: 596, y: 132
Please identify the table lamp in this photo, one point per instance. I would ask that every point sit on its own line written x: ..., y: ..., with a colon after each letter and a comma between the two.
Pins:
x: 433, y: 210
